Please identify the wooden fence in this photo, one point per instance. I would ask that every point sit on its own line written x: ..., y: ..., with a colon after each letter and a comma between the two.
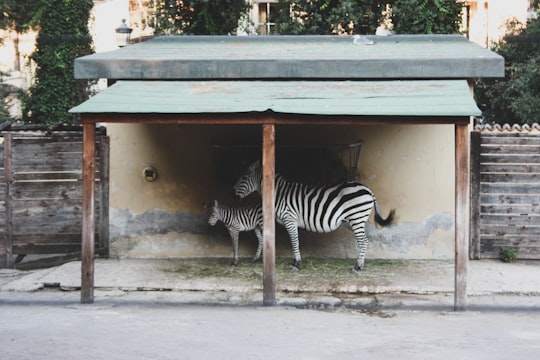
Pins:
x: 41, y: 195
x: 505, y: 191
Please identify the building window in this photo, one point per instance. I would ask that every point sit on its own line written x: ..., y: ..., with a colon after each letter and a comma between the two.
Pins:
x: 265, y: 21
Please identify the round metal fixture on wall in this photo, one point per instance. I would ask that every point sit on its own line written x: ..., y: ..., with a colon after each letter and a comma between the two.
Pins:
x: 150, y: 173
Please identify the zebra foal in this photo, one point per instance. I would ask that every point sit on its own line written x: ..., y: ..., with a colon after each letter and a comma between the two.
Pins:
x: 319, y: 209
x: 237, y: 219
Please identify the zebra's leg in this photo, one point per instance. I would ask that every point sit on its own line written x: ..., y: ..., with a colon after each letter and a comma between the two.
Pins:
x: 361, y: 243
x: 234, y: 237
x: 292, y: 229
x: 258, y: 233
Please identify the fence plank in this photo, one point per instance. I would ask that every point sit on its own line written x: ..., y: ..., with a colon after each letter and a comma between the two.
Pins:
x: 47, y: 239
x: 510, y: 158
x: 52, y: 190
x: 511, y: 220
x: 510, y: 139
x: 533, y: 199
x: 502, y: 230
x: 510, y: 168
x: 493, y: 250
x: 33, y: 249
x: 48, y: 176
x: 510, y: 178
x: 509, y: 188
x: 525, y: 149
x: 520, y: 209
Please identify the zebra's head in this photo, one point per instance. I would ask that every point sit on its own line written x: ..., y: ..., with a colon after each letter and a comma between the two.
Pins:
x: 250, y: 181
x: 214, y: 215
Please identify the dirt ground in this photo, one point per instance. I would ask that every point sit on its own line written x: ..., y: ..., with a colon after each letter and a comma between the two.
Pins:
x: 152, y: 325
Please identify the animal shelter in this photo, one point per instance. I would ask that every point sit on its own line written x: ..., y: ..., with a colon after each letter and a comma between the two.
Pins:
x: 280, y: 81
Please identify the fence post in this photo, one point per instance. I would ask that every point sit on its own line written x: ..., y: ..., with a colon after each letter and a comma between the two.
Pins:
x: 103, y: 224
x: 474, y: 250
x: 8, y: 174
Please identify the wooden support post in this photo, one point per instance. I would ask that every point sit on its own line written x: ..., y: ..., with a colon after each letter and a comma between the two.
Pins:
x: 268, y: 187
x: 88, y: 214
x: 462, y: 215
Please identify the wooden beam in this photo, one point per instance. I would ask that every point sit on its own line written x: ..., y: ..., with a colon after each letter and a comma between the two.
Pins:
x: 88, y: 214
x: 262, y: 118
x: 268, y: 187
x: 462, y: 215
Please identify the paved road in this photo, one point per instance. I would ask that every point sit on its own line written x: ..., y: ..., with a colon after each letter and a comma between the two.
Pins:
x: 54, y: 325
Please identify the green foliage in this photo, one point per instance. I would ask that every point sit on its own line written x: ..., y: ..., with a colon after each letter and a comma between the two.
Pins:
x: 514, y: 99
x: 427, y: 16
x: 197, y: 17
x: 508, y: 255
x: 308, y: 17
x: 327, y: 17
x: 312, y: 17
x: 17, y: 15
x: 63, y: 36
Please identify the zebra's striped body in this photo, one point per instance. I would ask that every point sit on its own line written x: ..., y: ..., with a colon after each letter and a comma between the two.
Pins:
x: 237, y: 219
x: 319, y: 209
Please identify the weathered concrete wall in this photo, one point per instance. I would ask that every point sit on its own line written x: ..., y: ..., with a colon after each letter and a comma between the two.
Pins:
x: 409, y: 168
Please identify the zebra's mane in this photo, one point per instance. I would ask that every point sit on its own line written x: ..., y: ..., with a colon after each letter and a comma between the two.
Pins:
x: 283, y: 179
x: 225, y: 206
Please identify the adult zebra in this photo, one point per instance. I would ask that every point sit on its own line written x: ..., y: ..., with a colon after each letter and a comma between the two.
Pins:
x: 319, y: 209
x: 237, y: 219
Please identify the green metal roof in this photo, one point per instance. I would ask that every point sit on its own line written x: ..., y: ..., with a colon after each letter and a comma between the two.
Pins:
x: 294, y: 57
x: 377, y: 98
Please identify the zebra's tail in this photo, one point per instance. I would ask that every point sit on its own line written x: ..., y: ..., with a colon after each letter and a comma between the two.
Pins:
x: 379, y: 219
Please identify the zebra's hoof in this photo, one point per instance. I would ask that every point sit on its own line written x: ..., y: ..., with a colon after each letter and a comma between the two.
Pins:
x: 254, y: 260
x: 356, y: 270
x: 234, y: 263
x: 295, y: 266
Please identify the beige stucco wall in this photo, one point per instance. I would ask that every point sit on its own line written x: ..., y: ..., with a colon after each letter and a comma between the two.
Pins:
x: 488, y: 19
x: 409, y: 168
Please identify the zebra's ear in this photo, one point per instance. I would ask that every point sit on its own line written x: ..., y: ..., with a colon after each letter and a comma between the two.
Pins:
x: 208, y: 205
x: 256, y: 164
x: 215, y: 203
